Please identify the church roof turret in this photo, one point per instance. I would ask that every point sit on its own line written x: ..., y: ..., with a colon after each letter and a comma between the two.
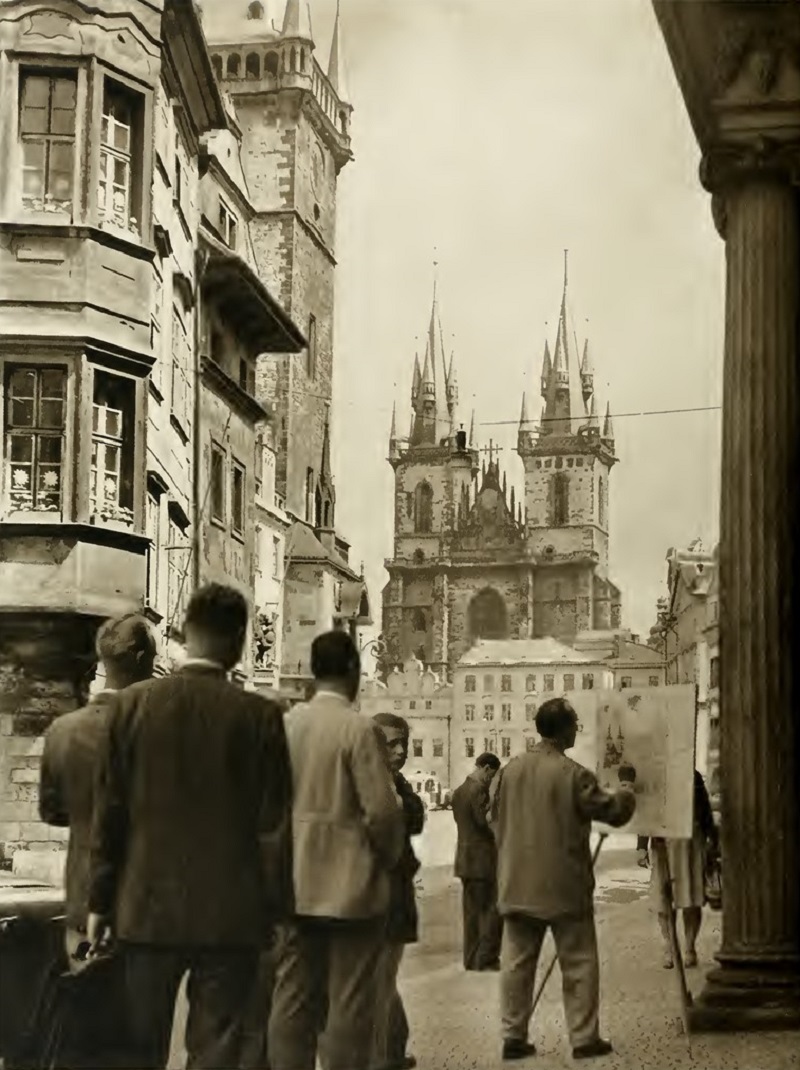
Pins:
x: 297, y: 21
x: 427, y: 382
x: 565, y: 406
x: 394, y: 445
x: 593, y: 422
x: 547, y: 368
x: 608, y: 425
x: 416, y: 382
x: 472, y: 439
x: 587, y: 372
x: 337, y: 75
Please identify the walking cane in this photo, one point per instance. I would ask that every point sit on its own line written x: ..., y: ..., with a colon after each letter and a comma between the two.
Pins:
x: 552, y: 966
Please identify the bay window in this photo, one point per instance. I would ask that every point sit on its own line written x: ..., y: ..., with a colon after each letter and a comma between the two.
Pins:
x: 47, y: 125
x: 178, y: 562
x: 34, y: 432
x: 112, y: 462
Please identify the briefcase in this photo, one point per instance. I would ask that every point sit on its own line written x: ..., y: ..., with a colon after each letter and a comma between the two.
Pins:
x: 80, y: 1022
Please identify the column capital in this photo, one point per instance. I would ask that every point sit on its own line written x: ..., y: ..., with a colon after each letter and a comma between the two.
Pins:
x: 759, y: 158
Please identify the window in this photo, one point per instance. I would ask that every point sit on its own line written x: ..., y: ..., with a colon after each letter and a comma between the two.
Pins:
x: 156, y: 327
x: 530, y: 743
x: 177, y: 197
x: 469, y: 747
x: 35, y: 421
x: 428, y: 704
x: 714, y: 673
x: 626, y: 683
x: 311, y: 352
x: 252, y: 65
x: 424, y: 508
x: 488, y: 712
x: 655, y: 680
x: 255, y: 11
x: 569, y: 681
x: 47, y: 132
x: 588, y: 681
x: 247, y: 376
x: 216, y: 491
x: 489, y: 744
x: 505, y: 747
x: 530, y: 683
x: 178, y: 573
x: 549, y: 682
x: 505, y: 683
x: 418, y: 622
x: 276, y: 557
x: 227, y: 225
x: 182, y: 399
x: 438, y: 748
x: 560, y: 492
x: 416, y: 748
x: 506, y: 711
x: 116, y: 195
x: 469, y: 712
x: 488, y: 682
x: 238, y: 485
x: 530, y: 711
x: 153, y: 522
x: 309, y: 494
x: 111, y: 490
x: 469, y: 683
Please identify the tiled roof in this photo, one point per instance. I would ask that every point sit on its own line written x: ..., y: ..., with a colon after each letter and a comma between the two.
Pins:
x: 524, y: 652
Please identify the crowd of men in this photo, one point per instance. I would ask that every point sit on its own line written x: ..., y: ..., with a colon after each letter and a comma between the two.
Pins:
x: 266, y: 856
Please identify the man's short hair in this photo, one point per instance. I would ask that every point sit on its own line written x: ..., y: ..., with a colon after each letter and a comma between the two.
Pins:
x: 391, y: 720
x: 218, y: 610
x: 554, y: 717
x: 121, y: 639
x: 487, y: 761
x: 334, y: 656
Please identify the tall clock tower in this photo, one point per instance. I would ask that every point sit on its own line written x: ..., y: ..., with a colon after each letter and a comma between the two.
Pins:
x: 294, y: 117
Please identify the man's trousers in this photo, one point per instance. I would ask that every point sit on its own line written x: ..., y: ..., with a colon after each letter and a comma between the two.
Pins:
x: 576, y: 947
x: 219, y: 989
x: 483, y: 927
x: 391, y: 1024
x: 326, y: 989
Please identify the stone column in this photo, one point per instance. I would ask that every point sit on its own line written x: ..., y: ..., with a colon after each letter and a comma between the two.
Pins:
x: 757, y: 983
x: 45, y: 665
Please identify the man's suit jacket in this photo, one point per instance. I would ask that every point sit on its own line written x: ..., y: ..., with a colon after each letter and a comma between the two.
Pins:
x: 348, y: 826
x: 542, y: 813
x: 72, y: 748
x: 194, y: 786
x: 476, y: 852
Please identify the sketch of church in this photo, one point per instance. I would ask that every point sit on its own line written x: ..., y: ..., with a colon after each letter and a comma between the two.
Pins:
x: 614, y: 750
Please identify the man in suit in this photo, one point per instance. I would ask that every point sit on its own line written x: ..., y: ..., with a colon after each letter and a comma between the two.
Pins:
x: 542, y: 812
x: 194, y: 786
x: 348, y: 834
x: 476, y: 867
x: 72, y: 745
x: 392, y: 1032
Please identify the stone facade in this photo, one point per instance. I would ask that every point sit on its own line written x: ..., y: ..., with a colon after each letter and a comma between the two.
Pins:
x: 129, y: 333
x: 418, y: 695
x: 470, y: 561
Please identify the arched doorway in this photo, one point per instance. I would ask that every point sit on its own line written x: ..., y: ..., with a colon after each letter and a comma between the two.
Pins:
x: 488, y: 618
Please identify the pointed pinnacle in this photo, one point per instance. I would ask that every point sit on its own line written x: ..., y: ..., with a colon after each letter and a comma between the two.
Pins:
x: 586, y: 363
x: 608, y: 425
x: 523, y: 416
x: 393, y: 431
x: 472, y: 429
x: 593, y: 421
x: 336, y: 69
x: 297, y: 20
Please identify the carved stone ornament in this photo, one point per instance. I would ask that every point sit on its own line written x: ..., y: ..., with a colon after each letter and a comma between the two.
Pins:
x: 767, y: 36
x: 761, y: 158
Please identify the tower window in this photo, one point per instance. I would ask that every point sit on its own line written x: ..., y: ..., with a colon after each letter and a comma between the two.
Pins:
x: 424, y: 508
x: 255, y: 10
x: 234, y: 65
x: 560, y: 492
x: 272, y: 64
x: 418, y: 621
x: 311, y: 352
x: 252, y: 65
x: 487, y: 615
x: 216, y: 63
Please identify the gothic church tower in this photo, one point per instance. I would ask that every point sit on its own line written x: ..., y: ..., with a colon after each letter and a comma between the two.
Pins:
x: 568, y: 460
x: 293, y: 111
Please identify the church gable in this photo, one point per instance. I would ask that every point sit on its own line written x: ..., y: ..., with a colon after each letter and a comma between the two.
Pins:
x: 493, y: 520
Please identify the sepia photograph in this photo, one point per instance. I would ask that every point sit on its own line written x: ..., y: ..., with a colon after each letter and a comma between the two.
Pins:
x: 399, y: 581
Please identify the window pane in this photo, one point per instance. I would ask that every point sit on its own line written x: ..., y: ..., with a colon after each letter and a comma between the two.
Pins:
x: 59, y: 177
x: 54, y: 383
x: 35, y: 91
x: 49, y: 449
x: 21, y: 412
x: 64, y: 93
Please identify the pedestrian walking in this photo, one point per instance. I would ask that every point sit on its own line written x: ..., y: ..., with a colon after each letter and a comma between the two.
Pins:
x: 348, y: 834
x: 195, y: 781
x: 542, y: 813
x: 392, y: 1029
x: 476, y: 867
x: 689, y: 861
x: 72, y: 747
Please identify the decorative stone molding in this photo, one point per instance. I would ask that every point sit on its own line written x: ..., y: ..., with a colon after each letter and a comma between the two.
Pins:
x: 767, y: 38
x: 760, y: 158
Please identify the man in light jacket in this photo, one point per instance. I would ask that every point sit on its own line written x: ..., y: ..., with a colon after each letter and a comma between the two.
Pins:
x: 348, y: 834
x: 542, y: 811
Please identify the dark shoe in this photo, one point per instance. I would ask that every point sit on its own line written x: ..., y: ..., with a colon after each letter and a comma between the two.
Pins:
x: 596, y: 1050
x: 518, y: 1049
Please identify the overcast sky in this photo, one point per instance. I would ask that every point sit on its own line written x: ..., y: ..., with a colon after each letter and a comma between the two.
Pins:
x: 501, y: 132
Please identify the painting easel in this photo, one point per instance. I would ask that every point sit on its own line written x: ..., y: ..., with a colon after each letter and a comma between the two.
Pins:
x: 667, y: 909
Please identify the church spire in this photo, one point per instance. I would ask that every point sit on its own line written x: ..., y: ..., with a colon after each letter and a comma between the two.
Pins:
x: 608, y: 425
x: 472, y: 441
x: 297, y: 21
x: 394, y: 448
x: 593, y: 421
x: 547, y: 368
x: 337, y: 75
x: 416, y: 383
